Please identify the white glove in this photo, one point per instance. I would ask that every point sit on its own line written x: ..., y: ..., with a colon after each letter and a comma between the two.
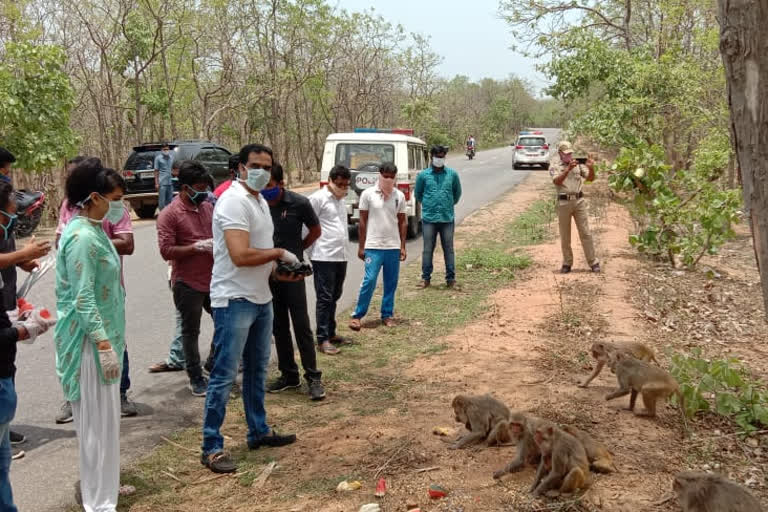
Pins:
x: 110, y: 367
x: 34, y: 329
x: 204, y: 245
x: 289, y: 257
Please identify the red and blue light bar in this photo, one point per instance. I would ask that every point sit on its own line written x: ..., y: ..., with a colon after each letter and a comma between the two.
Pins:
x: 397, y: 131
x: 532, y: 133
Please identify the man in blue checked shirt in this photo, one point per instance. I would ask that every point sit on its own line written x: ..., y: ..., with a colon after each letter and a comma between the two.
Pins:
x: 438, y: 189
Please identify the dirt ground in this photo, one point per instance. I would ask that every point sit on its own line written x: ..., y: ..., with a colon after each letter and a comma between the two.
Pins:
x: 530, y: 351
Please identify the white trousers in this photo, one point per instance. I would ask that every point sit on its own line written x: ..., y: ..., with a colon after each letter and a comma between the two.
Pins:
x: 97, y: 422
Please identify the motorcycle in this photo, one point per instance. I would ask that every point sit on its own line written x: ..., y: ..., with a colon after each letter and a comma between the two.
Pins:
x: 29, y: 208
x: 470, y: 152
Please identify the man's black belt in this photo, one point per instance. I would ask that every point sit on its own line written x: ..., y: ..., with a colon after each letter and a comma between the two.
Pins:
x: 566, y: 197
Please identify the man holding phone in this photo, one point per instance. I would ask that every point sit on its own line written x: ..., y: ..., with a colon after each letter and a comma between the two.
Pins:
x: 569, y: 175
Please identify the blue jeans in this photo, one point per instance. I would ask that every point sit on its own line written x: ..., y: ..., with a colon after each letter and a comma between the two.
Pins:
x: 7, y: 412
x: 429, y: 233
x: 241, y: 328
x: 375, y: 259
x: 164, y: 195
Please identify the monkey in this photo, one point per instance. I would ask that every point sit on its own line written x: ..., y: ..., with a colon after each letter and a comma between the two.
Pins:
x: 566, y: 458
x: 521, y: 428
x: 600, y: 459
x: 482, y: 415
x: 601, y: 350
x: 704, y: 492
x: 635, y: 377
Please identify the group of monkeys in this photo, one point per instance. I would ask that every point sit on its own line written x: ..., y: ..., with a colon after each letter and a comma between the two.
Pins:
x: 565, y: 454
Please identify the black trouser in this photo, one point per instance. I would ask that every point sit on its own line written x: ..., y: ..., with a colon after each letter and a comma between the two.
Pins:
x: 190, y: 304
x: 290, y: 299
x: 329, y: 285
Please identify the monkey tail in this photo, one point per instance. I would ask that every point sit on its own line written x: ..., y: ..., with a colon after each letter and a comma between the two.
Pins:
x: 653, y: 358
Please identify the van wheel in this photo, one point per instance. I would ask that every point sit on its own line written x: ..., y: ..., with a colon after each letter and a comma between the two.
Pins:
x: 352, y: 232
x: 146, y: 211
x: 414, y: 226
x: 545, y: 167
x: 515, y: 166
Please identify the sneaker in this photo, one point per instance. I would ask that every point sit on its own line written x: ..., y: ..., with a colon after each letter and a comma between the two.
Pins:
x: 198, y: 386
x: 272, y: 439
x: 65, y: 414
x: 17, y: 454
x: 127, y: 408
x: 282, y: 383
x: 17, y: 438
x: 423, y: 284
x: 450, y: 284
x: 596, y: 268
x: 219, y: 462
x: 316, y: 390
x: 565, y: 269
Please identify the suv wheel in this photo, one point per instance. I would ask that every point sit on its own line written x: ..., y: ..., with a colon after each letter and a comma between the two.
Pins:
x: 146, y: 211
x: 414, y: 224
x: 545, y: 167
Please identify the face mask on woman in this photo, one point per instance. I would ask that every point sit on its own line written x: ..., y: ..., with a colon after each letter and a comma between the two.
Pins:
x: 115, y: 212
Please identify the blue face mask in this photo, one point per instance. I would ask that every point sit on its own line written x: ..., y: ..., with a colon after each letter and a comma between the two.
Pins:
x: 8, y: 228
x: 271, y: 194
x: 197, y: 196
x: 5, y: 178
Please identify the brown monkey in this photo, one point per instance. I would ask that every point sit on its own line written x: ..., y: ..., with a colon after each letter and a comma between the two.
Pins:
x: 482, y: 415
x: 600, y: 459
x: 704, y: 492
x: 567, y: 457
x: 601, y: 350
x: 636, y: 377
x: 521, y: 428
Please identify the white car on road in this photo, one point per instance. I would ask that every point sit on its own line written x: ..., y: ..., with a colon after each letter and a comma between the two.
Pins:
x: 531, y: 149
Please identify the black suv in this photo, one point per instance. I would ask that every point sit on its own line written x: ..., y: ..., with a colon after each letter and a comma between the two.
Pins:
x: 139, y: 170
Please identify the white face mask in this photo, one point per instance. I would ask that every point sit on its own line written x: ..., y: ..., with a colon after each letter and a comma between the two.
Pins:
x: 257, y: 178
x: 438, y: 162
x: 166, y: 152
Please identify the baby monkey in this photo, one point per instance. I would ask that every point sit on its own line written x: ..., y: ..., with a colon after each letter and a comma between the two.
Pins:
x: 483, y: 416
x: 601, y: 350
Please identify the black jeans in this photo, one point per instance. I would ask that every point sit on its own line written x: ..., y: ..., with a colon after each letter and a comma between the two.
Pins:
x: 290, y: 300
x: 190, y: 304
x: 329, y: 285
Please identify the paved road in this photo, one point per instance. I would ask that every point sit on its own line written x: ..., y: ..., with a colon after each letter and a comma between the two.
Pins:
x: 42, y: 481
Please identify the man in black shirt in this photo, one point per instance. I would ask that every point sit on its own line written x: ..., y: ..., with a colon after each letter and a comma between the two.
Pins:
x: 291, y: 212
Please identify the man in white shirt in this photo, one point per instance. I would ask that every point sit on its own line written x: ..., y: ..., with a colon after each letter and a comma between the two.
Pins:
x: 243, y: 261
x: 382, y: 244
x: 329, y: 256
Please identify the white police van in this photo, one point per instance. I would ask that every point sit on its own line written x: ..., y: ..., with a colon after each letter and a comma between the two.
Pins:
x: 363, y: 151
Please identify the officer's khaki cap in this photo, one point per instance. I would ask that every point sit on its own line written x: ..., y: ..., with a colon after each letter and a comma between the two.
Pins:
x: 565, y: 147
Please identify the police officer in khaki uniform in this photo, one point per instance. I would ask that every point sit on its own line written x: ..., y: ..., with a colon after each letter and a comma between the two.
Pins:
x: 569, y: 175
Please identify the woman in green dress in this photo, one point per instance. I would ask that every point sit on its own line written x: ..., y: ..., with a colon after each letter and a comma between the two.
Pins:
x: 90, y: 333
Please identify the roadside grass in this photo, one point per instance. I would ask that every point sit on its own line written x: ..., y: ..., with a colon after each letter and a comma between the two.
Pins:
x: 370, y: 368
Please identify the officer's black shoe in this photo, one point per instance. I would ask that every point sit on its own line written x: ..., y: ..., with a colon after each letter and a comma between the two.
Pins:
x: 565, y: 269
x: 596, y: 268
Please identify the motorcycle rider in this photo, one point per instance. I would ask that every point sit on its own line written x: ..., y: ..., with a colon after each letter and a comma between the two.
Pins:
x: 471, y: 143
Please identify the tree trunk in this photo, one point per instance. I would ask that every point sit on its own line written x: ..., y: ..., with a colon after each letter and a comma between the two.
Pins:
x: 744, y: 48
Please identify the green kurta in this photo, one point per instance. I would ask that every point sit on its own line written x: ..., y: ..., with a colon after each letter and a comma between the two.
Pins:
x: 90, y: 300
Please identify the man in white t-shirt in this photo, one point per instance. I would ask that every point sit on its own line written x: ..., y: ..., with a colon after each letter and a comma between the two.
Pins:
x: 382, y: 243
x: 243, y: 261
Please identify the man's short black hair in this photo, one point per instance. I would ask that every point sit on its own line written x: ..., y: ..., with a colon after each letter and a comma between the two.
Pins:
x: 6, y: 157
x: 76, y: 160
x: 277, y: 172
x: 234, y: 160
x: 253, y: 148
x: 436, y: 150
x: 165, y: 145
x: 339, y: 171
x: 91, y: 176
x: 192, y: 172
x: 388, y: 167
x: 6, y: 194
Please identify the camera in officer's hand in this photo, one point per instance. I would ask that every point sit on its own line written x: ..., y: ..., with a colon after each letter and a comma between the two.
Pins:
x: 291, y: 271
x: 581, y: 160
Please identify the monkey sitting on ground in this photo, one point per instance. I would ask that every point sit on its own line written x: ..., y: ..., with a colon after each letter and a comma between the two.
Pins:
x: 636, y: 377
x: 482, y: 415
x: 521, y: 428
x: 565, y: 459
x: 601, y: 351
x: 704, y: 492
x: 600, y: 459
